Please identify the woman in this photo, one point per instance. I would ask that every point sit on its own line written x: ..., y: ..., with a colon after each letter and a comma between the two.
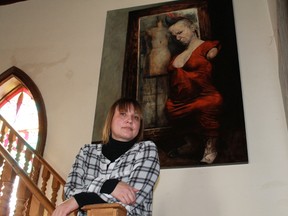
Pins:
x: 123, y: 169
x: 192, y: 93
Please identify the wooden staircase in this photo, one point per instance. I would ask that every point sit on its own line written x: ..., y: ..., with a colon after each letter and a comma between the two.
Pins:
x: 39, y: 186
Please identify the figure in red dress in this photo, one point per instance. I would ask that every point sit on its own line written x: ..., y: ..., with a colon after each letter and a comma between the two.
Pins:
x: 193, y: 98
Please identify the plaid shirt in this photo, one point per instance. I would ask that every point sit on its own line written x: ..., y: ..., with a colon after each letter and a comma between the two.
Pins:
x: 139, y: 167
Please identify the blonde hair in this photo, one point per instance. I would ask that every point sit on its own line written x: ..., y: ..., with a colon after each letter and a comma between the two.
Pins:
x: 122, y: 104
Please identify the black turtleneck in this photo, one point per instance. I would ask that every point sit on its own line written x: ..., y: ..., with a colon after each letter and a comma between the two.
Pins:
x: 114, y: 148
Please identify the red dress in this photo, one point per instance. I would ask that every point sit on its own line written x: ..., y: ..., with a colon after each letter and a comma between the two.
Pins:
x: 192, y: 93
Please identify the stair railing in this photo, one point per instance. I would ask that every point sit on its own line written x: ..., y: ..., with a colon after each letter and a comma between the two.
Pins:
x: 39, y: 187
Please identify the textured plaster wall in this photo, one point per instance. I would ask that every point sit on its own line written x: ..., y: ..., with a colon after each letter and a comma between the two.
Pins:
x: 59, y: 45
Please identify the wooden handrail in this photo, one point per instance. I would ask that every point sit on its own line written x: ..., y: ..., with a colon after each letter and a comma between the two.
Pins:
x: 107, y: 209
x: 40, y: 158
x: 32, y: 187
x: 35, y: 174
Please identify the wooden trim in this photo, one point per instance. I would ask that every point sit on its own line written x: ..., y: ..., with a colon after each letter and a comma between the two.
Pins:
x: 107, y: 209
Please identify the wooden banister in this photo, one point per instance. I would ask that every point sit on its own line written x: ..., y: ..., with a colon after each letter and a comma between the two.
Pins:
x: 14, y: 133
x: 39, y: 187
x: 109, y: 209
x: 31, y: 186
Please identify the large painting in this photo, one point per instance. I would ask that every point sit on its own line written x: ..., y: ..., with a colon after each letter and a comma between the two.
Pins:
x: 180, y: 62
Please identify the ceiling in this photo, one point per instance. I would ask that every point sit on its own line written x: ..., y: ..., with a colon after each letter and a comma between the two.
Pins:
x: 6, y: 2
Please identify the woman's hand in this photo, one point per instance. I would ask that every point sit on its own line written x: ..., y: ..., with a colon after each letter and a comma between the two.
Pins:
x: 66, y: 207
x: 125, y: 193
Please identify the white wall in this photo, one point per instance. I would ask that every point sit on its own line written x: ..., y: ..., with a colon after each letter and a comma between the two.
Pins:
x: 272, y: 7
x: 59, y: 45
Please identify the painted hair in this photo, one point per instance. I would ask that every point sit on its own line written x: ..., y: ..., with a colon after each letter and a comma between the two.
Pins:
x: 122, y: 104
x: 171, y: 19
x: 189, y: 22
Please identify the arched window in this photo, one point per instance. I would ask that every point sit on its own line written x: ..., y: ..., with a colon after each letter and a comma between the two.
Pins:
x: 21, y: 104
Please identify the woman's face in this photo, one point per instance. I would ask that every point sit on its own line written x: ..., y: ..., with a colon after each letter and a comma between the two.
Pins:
x: 125, y: 124
x: 182, y: 32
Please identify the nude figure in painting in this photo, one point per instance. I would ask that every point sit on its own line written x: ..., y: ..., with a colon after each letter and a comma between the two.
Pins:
x: 159, y: 55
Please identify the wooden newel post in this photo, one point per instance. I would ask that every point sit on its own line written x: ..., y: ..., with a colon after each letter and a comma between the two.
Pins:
x: 109, y: 209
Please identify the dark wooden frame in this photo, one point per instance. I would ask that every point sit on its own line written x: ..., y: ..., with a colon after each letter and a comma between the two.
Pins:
x: 25, y: 80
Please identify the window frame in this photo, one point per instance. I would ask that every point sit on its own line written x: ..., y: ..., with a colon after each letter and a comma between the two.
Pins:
x: 28, y: 83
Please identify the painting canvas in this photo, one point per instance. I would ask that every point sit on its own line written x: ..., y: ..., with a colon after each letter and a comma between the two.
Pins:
x: 192, y: 110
